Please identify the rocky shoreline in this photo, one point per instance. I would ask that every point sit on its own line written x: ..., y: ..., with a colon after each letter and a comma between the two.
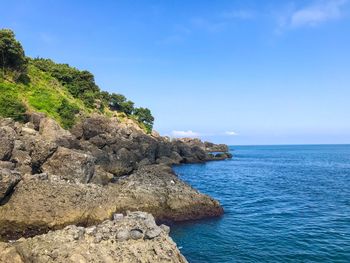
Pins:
x: 131, y: 238
x: 51, y: 178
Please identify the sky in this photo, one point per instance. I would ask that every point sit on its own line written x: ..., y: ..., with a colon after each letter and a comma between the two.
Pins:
x: 236, y: 72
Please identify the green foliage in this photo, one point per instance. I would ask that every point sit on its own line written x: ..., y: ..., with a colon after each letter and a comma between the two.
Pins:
x: 144, y: 116
x: 12, y: 57
x: 67, y: 112
x: 118, y: 102
x: 81, y: 84
x: 10, y: 104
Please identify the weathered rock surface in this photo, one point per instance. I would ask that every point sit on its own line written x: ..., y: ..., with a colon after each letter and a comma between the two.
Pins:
x: 8, y: 180
x: 40, y: 204
x: 70, y: 165
x: 131, y: 238
x: 7, y: 142
x: 211, y: 147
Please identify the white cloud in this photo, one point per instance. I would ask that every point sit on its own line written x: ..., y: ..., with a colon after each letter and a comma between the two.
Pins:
x: 312, y: 15
x: 188, y: 133
x: 231, y: 133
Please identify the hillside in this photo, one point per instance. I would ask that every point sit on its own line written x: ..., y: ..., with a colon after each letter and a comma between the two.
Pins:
x: 60, y: 91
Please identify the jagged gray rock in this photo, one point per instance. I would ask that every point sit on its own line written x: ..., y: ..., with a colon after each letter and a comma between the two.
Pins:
x: 8, y: 180
x: 70, y: 165
x: 7, y: 142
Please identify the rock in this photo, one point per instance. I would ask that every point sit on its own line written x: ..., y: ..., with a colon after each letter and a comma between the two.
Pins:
x: 35, y: 118
x: 136, y: 233
x: 41, y: 176
x: 101, y: 176
x: 175, y: 157
x: 67, y: 245
x: 40, y: 150
x: 153, y: 232
x: 156, y: 189
x: 91, y: 230
x: 28, y: 131
x: 165, y: 228
x: 39, y: 205
x: 7, y: 165
x: 51, y: 131
x: 144, y: 162
x: 70, y: 165
x: 211, y: 147
x: 165, y: 160
x: 7, y: 141
x: 118, y: 216
x: 55, y: 167
x: 9, y: 254
x: 21, y: 157
x: 97, y: 125
x: 8, y: 180
x: 123, y: 235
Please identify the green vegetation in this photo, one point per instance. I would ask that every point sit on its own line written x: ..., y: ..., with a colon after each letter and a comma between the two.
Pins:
x: 59, y: 90
x: 10, y: 104
x: 144, y: 116
x: 12, y: 58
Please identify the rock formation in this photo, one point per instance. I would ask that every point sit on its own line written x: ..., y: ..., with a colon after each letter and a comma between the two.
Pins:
x: 51, y: 178
x: 131, y: 238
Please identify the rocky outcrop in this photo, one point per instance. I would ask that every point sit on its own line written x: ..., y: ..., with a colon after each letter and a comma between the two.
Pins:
x: 211, y: 147
x: 51, y: 178
x: 131, y: 238
x: 41, y: 203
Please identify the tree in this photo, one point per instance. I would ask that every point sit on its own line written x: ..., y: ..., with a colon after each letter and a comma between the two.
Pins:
x: 118, y: 102
x: 144, y: 116
x: 12, y: 55
x: 115, y: 101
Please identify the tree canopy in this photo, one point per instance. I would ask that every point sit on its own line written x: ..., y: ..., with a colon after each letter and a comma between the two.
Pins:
x: 12, y: 57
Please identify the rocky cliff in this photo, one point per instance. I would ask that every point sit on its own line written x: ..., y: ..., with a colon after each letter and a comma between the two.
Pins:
x: 51, y: 178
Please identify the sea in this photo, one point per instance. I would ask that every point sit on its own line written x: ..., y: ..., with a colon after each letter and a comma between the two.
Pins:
x: 282, y: 204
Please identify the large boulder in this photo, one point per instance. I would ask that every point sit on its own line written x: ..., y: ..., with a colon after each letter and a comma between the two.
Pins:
x: 7, y: 142
x: 96, y: 125
x: 51, y: 131
x: 70, y: 165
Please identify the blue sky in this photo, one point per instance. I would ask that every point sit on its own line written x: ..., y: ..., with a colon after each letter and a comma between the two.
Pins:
x: 239, y: 72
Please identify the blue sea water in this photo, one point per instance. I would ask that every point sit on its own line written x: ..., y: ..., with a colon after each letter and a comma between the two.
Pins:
x: 282, y: 204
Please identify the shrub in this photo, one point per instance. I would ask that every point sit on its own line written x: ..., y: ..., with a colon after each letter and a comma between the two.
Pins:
x: 12, y: 107
x: 67, y: 112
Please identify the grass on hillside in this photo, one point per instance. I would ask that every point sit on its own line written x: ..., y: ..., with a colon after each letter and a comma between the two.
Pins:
x: 44, y: 94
